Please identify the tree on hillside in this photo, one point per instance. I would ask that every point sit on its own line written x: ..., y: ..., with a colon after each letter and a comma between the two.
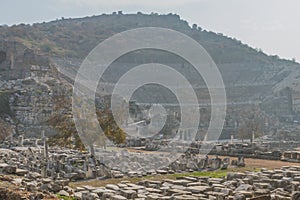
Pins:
x: 67, y: 136
x: 108, y: 124
x: 62, y: 121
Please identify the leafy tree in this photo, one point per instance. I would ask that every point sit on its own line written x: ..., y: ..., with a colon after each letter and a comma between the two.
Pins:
x: 63, y: 122
x: 108, y: 124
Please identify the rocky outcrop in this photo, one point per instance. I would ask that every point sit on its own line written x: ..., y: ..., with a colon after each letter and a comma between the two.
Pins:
x: 16, y: 60
x: 32, y: 82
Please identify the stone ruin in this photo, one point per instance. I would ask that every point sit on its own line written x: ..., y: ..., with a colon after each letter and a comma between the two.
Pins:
x: 22, y: 156
x: 291, y: 156
x: 39, y: 169
x: 281, y: 150
x: 278, y: 184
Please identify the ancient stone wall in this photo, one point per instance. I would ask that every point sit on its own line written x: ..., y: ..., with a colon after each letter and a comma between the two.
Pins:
x: 32, y: 82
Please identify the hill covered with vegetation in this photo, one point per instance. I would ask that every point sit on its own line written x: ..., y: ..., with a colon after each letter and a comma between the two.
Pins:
x: 77, y: 37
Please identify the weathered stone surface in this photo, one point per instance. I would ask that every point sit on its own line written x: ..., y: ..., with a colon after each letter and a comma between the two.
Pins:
x: 258, y: 187
x: 129, y: 194
x: 90, y: 196
x: 185, y: 197
x: 235, y: 175
x: 112, y: 187
x: 199, y: 189
x: 239, y: 197
x: 296, y: 195
x: 263, y: 197
x: 118, y: 197
x: 63, y: 193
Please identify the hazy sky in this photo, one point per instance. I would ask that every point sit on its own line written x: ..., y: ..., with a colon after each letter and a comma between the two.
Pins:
x: 272, y: 25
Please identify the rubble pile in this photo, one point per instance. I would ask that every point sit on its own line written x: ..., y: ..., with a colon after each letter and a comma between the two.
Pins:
x: 278, y: 184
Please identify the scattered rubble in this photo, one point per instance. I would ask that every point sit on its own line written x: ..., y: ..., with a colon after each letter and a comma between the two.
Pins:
x: 277, y: 184
x: 267, y: 184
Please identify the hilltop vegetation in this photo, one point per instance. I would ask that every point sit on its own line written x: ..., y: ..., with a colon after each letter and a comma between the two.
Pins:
x: 75, y: 38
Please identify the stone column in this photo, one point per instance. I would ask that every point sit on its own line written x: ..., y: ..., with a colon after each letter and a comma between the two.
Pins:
x: 21, y: 140
x: 42, y: 134
x: 45, y: 147
x: 44, y: 170
x: 11, y: 140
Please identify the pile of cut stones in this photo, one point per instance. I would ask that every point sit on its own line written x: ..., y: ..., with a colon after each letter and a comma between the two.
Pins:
x: 72, y: 165
x: 41, y: 170
x: 278, y: 184
x: 51, y: 170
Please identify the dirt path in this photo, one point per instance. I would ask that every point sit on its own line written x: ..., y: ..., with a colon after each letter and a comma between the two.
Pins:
x: 260, y: 163
x: 250, y: 162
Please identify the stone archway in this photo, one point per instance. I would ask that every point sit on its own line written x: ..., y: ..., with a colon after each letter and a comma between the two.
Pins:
x: 2, y: 56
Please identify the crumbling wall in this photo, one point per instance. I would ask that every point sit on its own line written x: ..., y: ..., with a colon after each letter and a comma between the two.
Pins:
x: 31, y: 81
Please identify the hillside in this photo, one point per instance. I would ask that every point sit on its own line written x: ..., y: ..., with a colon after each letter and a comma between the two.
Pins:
x: 75, y: 38
x: 253, y: 79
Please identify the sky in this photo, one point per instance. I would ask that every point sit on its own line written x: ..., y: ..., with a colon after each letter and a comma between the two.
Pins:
x: 270, y: 25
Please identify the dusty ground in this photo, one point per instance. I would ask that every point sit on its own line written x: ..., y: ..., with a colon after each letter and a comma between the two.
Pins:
x: 268, y: 163
x: 255, y: 163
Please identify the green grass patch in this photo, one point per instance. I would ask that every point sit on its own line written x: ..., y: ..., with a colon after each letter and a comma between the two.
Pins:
x: 212, y: 174
x: 65, y: 198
